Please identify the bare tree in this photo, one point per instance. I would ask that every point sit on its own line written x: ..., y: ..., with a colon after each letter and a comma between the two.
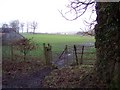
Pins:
x: 34, y: 25
x: 78, y: 8
x: 27, y: 27
x: 15, y: 25
x: 22, y: 26
x: 5, y: 26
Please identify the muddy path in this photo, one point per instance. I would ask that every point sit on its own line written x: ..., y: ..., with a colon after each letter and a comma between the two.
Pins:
x: 34, y: 80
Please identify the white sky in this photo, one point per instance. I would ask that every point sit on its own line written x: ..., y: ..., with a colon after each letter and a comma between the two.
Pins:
x: 45, y: 12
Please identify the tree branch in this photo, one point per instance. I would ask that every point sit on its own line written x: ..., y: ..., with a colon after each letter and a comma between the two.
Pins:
x: 77, y: 6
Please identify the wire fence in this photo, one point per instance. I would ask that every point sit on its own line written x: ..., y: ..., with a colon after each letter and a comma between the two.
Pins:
x: 76, y: 54
x: 70, y: 54
x: 11, y: 52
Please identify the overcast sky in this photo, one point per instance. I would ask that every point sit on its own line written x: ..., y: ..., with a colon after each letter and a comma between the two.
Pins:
x: 45, y: 12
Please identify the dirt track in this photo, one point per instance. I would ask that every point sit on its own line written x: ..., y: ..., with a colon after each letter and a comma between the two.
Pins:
x: 34, y: 80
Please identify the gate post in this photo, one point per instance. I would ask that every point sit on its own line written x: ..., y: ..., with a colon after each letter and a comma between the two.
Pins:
x: 48, y: 54
x: 66, y: 53
x: 75, y: 49
x: 49, y: 49
x: 81, y: 60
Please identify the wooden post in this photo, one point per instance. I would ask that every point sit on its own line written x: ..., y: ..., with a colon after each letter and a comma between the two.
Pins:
x: 66, y: 53
x: 24, y: 52
x: 75, y: 49
x: 62, y: 53
x: 47, y: 54
x: 49, y: 51
x: 81, y: 60
x: 11, y: 52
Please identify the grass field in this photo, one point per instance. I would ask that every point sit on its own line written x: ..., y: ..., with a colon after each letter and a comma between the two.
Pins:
x: 35, y: 61
x: 58, y: 42
x: 59, y: 39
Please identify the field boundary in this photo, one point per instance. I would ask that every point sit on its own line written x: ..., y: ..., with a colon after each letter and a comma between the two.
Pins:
x: 77, y: 54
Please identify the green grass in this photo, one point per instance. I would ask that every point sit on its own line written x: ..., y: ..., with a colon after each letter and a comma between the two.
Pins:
x: 58, y: 42
x: 59, y: 39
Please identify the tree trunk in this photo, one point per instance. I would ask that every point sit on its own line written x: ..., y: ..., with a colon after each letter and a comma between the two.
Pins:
x: 22, y: 30
x: 34, y: 30
x: 107, y: 34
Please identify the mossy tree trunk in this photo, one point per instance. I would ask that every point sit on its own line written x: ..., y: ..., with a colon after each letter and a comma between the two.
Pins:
x: 108, y: 43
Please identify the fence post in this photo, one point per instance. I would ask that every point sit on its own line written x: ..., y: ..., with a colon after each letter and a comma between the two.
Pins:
x: 75, y: 49
x: 66, y: 53
x: 11, y: 52
x: 47, y: 54
x: 49, y: 49
x: 81, y: 60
